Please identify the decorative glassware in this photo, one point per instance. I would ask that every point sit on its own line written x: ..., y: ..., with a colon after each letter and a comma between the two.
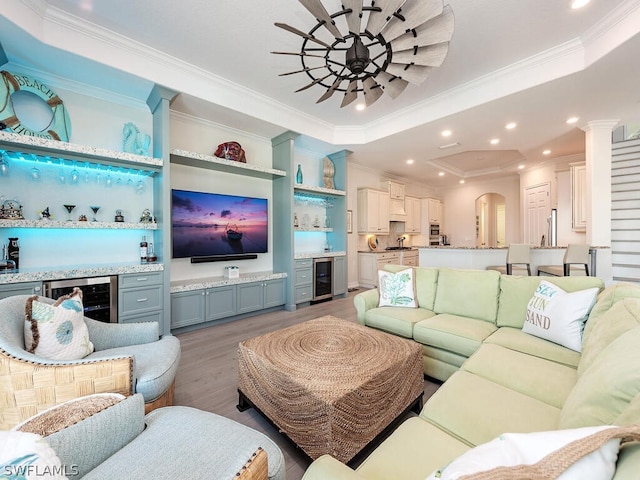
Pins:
x: 299, y: 174
x: 69, y: 210
x: 95, y: 212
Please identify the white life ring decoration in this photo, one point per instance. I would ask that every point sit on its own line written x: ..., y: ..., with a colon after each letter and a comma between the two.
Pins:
x: 60, y: 126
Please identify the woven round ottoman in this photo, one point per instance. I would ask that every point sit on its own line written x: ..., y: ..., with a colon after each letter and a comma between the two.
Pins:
x: 330, y: 385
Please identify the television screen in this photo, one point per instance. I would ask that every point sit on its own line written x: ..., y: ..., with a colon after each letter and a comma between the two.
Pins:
x: 206, y: 224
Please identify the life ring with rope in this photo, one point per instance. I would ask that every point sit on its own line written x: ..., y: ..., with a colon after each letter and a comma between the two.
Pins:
x: 60, y: 126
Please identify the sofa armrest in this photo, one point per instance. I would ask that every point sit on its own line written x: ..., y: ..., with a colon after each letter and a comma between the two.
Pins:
x: 365, y: 301
x: 88, y: 443
x: 113, y: 335
x: 328, y: 468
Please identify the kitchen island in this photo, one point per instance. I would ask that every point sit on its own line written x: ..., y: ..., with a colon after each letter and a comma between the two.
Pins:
x: 481, y: 258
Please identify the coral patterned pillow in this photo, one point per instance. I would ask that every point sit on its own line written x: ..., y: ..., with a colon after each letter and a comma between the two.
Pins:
x: 396, y: 289
x: 57, y: 331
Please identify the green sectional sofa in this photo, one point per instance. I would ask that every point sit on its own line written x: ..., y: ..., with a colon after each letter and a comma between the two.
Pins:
x: 498, y: 379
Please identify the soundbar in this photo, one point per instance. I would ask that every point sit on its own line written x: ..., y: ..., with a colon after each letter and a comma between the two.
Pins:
x: 224, y: 258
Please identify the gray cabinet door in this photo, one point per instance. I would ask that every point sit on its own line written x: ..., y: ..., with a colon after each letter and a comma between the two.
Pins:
x: 220, y: 302
x: 274, y: 293
x: 340, y: 275
x: 187, y: 308
x: 250, y: 297
x: 26, y: 288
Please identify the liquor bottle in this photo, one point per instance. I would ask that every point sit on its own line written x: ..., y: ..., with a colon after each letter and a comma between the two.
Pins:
x: 14, y: 251
x: 151, y: 254
x: 143, y: 249
x: 299, y: 174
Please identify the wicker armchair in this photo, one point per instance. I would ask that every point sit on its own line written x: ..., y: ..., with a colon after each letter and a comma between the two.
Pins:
x: 128, y: 358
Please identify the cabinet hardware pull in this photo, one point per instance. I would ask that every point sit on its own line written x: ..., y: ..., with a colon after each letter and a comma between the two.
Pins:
x: 141, y: 300
x: 142, y: 279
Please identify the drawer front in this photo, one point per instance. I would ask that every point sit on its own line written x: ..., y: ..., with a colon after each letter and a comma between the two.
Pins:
x: 304, y: 263
x: 303, y: 276
x: 410, y: 262
x: 140, y: 279
x: 145, y: 317
x: 389, y: 257
x: 304, y: 294
x: 139, y: 300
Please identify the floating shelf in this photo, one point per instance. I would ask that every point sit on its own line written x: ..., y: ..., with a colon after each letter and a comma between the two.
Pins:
x: 312, y: 229
x: 309, y: 189
x: 192, y: 159
x: 76, y: 225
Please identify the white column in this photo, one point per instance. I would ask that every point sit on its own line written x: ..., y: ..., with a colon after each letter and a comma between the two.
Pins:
x: 598, y: 188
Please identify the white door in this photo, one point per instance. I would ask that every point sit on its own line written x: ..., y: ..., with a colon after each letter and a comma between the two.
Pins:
x: 500, y: 225
x: 537, y: 209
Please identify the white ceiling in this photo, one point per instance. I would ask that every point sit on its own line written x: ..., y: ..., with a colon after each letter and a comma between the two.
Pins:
x: 535, y: 62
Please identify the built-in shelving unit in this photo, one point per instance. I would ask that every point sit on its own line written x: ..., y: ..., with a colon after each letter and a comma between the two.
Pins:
x: 76, y: 225
x: 192, y: 159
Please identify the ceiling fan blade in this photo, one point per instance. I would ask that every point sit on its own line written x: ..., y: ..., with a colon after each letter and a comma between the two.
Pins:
x: 330, y: 91
x: 288, y: 28
x: 377, y: 20
x: 431, y: 56
x: 393, y: 86
x: 436, y: 30
x: 301, y: 71
x: 415, y: 13
x: 300, y: 54
x: 353, y: 18
x: 414, y: 74
x: 372, y: 91
x: 351, y: 94
x: 316, y: 81
x: 316, y: 9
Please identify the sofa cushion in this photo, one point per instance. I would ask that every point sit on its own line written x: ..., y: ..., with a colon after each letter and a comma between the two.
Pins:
x: 559, y: 316
x: 58, y: 331
x: 457, y: 334
x: 541, y: 379
x: 480, y: 289
x: 477, y: 410
x: 607, y: 387
x: 539, y: 455
x: 621, y: 317
x: 396, y: 320
x: 606, y: 299
x: 516, y: 291
x: 516, y: 339
x: 25, y: 455
x: 396, y: 289
x: 426, y: 285
x: 407, y: 453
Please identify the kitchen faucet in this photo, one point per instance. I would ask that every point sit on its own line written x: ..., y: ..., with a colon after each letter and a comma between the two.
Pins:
x: 401, y: 241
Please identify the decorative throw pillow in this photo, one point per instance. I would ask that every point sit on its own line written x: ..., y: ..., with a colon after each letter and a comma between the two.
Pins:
x: 559, y: 316
x: 57, y: 331
x: 396, y: 289
x: 28, y: 456
x: 589, y: 452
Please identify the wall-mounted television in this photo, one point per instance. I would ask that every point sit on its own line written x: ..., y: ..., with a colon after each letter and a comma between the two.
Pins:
x: 211, y: 224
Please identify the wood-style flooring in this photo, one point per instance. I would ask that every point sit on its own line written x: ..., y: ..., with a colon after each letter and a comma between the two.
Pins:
x: 207, y: 377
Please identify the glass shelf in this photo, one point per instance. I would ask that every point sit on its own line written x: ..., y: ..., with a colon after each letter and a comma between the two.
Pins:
x: 76, y: 225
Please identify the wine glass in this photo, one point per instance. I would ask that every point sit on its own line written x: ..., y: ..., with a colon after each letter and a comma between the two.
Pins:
x: 95, y: 211
x: 74, y: 176
x: 69, y: 210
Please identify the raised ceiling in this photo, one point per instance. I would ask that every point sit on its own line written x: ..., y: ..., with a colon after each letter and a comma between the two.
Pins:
x: 534, y: 62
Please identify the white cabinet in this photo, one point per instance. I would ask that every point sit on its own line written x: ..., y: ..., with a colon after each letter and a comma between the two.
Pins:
x: 434, y: 211
x: 578, y: 197
x: 413, y: 208
x: 409, y: 258
x: 370, y: 263
x: 396, y: 190
x: 373, y: 211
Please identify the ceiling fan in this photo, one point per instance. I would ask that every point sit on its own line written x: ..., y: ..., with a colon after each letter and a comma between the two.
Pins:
x: 386, y: 45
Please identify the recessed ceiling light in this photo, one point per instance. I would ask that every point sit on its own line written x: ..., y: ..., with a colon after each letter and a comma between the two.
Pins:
x: 579, y: 3
x: 572, y: 120
x: 520, y: 167
x: 461, y: 181
x: 546, y: 152
x: 360, y: 107
x: 449, y: 145
x: 510, y: 125
x: 495, y: 141
x: 446, y: 133
x: 441, y: 174
x: 410, y: 161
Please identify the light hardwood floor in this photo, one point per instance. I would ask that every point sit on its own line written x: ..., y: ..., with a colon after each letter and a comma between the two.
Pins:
x: 207, y: 377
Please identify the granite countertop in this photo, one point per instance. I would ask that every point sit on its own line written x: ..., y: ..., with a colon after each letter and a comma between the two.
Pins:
x: 80, y: 271
x: 533, y: 247
x: 299, y: 256
x: 395, y: 250
x: 210, y: 282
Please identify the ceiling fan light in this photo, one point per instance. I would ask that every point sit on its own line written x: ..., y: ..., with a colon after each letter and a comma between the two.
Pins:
x: 357, y: 57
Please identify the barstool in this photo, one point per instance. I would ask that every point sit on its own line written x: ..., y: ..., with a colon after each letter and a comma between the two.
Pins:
x: 518, y: 255
x: 576, y: 254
